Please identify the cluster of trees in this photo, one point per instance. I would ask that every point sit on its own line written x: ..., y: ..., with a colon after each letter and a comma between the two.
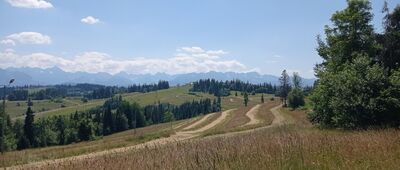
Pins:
x: 359, y: 78
x: 18, y: 95
x: 221, y: 88
x: 114, y: 116
x: 103, y: 92
x: 148, y: 87
x: 292, y: 94
x: 88, y: 91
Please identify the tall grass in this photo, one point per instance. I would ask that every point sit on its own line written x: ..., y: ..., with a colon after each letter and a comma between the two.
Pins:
x: 279, y: 148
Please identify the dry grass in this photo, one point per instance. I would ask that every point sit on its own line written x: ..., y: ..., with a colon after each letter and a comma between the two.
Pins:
x: 279, y: 148
x: 238, y: 118
x: 122, y: 139
x: 210, y: 119
x: 291, y: 146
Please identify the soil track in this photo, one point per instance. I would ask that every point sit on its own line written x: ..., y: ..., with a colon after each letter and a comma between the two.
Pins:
x: 252, y: 115
x: 179, y: 136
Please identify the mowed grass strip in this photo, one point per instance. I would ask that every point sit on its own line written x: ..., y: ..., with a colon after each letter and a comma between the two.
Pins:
x: 121, y: 139
x: 209, y: 119
x: 285, y: 147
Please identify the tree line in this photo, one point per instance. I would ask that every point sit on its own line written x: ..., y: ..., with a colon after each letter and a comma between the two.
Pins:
x: 223, y: 88
x: 113, y: 116
x: 358, y: 82
x: 88, y: 91
x: 148, y: 87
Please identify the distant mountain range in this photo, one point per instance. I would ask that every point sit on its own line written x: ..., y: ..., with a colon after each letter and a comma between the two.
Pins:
x: 52, y: 76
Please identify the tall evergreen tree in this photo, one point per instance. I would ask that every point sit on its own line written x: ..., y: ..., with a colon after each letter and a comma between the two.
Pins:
x: 284, y: 87
x: 29, y: 127
x: 246, y: 99
x: 108, y: 121
x: 262, y: 98
x: 390, y: 39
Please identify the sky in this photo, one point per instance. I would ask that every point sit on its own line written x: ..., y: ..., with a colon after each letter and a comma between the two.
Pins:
x: 174, y: 36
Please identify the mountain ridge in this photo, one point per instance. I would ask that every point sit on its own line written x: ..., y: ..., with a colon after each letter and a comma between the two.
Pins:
x: 55, y: 75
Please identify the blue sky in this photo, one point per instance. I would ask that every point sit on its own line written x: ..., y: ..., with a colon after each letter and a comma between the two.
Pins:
x: 175, y: 36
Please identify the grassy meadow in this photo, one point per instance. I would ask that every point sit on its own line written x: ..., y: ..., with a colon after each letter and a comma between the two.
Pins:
x: 292, y: 146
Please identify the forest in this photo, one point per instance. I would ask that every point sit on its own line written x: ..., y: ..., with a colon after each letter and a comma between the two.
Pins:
x: 221, y: 88
x: 89, y: 91
x: 114, y: 116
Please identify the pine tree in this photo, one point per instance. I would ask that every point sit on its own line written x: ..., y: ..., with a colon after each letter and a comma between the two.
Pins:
x: 246, y: 98
x: 29, y: 128
x: 262, y: 98
x: 108, y: 122
x: 284, y: 87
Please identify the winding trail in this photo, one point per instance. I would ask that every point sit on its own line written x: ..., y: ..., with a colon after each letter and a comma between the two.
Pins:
x: 252, y: 115
x: 198, y: 122
x: 179, y: 136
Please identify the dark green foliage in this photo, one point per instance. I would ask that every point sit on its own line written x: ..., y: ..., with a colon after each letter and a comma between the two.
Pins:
x: 262, y: 98
x: 86, y: 129
x: 390, y: 40
x: 358, y: 79
x: 61, y: 126
x: 284, y: 87
x: 295, y: 98
x: 18, y: 95
x: 29, y: 127
x: 168, y: 116
x: 245, y: 99
x: 220, y: 88
x: 121, y: 122
x: 45, y: 133
x: 148, y: 87
x: 108, y: 121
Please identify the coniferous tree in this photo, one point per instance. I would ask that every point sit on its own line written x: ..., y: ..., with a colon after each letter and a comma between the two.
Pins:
x: 29, y: 128
x: 262, y: 98
x: 246, y: 98
x: 284, y: 87
x: 108, y: 121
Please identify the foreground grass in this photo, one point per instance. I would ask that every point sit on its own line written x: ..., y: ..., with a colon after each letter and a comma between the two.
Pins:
x: 117, y: 140
x: 286, y: 147
x: 293, y: 146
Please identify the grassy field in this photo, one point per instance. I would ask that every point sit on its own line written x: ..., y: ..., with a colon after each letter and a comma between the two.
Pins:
x: 174, y: 95
x: 42, y: 108
x: 123, y: 139
x: 117, y: 140
x: 292, y: 146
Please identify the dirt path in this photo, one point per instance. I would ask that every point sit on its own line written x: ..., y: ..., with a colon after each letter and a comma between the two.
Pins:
x: 208, y: 126
x: 198, y: 122
x: 279, y: 118
x: 179, y: 136
x: 278, y: 121
x: 252, y: 115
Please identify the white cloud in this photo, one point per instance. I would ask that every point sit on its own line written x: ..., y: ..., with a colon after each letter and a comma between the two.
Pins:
x: 7, y: 42
x: 30, y: 3
x: 90, y: 20
x: 94, y: 62
x: 26, y: 38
